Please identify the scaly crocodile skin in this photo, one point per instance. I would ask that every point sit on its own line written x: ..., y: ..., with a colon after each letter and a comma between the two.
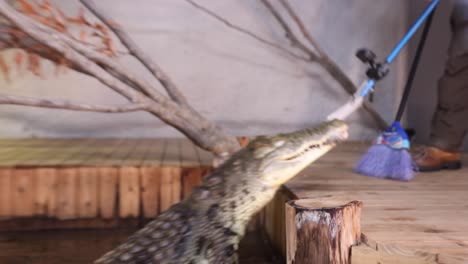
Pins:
x: 207, y: 226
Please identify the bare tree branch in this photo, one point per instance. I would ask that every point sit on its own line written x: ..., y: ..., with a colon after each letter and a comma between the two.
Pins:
x: 245, y: 31
x: 112, y: 66
x: 32, y: 46
x: 67, y: 105
x: 126, y: 40
x: 295, y: 42
x: 302, y: 28
x: 113, y: 75
x: 325, y: 60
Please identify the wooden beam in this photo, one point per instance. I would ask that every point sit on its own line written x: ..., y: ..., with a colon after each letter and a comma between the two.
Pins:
x: 322, y: 230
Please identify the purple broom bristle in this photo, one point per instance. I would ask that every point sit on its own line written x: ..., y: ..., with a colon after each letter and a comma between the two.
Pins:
x: 385, y: 162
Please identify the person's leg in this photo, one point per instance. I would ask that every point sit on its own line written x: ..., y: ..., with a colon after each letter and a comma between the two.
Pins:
x: 450, y: 120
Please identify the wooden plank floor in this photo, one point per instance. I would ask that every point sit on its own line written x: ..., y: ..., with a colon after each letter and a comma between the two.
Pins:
x: 100, y: 152
x: 429, y: 213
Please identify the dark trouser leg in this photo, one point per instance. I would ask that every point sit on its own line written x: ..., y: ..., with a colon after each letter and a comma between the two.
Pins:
x: 450, y: 120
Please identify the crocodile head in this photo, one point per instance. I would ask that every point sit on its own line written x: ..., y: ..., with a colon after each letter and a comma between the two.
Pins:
x: 279, y: 158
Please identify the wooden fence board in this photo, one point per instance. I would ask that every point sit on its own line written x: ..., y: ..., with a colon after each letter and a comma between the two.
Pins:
x: 88, y: 180
x: 107, y: 193
x: 129, y: 192
x: 46, y: 199
x: 67, y: 193
x: 150, y: 181
x: 6, y: 196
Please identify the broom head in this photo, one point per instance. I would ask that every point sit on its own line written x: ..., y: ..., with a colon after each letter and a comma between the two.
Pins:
x: 389, y: 156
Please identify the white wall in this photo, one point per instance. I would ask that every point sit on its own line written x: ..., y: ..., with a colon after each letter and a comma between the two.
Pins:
x: 231, y: 79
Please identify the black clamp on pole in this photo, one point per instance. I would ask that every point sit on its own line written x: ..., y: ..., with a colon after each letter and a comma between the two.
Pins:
x: 377, y: 70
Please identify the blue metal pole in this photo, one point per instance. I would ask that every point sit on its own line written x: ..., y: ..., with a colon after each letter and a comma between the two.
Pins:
x: 404, y: 41
x: 411, y: 32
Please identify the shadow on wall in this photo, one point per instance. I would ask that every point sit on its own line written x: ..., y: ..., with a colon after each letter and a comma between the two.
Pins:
x: 423, y: 100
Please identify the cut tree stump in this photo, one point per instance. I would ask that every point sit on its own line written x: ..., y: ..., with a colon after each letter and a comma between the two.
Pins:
x: 322, y: 231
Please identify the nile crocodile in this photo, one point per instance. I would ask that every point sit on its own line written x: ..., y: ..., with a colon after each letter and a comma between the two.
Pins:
x: 207, y: 226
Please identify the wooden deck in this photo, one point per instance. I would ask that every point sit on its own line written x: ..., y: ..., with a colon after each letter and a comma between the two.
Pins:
x: 74, y: 181
x: 94, y: 183
x: 68, y: 193
x: 101, y: 152
x: 425, y: 220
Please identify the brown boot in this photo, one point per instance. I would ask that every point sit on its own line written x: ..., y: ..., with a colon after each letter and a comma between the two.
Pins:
x: 434, y: 159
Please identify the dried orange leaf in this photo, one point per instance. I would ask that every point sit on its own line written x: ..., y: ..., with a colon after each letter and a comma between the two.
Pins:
x: 46, y: 6
x: 19, y: 58
x: 101, y: 28
x: 51, y: 23
x: 34, y: 64
x: 58, y: 69
x: 41, y: 6
x: 74, y: 20
x: 15, y: 32
x: 113, y: 23
x: 107, y: 41
x: 61, y: 65
x: 97, y: 34
x: 4, y: 68
x: 27, y: 7
x: 79, y: 19
x: 59, y: 20
x: 83, y: 35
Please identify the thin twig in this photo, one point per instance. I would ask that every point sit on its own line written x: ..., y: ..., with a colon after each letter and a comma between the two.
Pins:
x: 67, y: 105
x: 245, y: 31
x: 324, y: 59
x: 302, y: 28
x: 139, y: 54
x: 295, y: 42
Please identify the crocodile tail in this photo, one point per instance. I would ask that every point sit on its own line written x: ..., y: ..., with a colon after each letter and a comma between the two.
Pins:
x: 163, y: 240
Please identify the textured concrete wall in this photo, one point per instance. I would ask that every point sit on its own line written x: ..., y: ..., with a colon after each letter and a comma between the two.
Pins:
x: 230, y: 78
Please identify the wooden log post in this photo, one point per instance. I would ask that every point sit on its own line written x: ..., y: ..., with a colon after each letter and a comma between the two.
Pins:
x: 322, y: 230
